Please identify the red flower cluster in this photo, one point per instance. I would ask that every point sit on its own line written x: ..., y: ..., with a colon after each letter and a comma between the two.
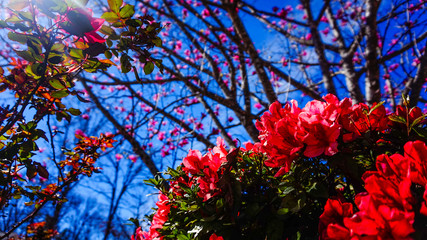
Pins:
x: 159, y: 218
x: 204, y: 168
x: 215, y: 237
x: 287, y: 132
x: 387, y: 209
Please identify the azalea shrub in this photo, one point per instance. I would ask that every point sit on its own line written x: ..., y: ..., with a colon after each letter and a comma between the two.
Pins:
x: 330, y: 170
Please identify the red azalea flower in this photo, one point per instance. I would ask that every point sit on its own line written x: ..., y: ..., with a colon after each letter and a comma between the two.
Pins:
x: 321, y: 123
x: 355, y: 121
x: 416, y: 152
x: 208, y: 184
x: 379, y: 221
x: 358, y: 120
x: 331, y: 225
x: 378, y: 119
x: 79, y: 22
x: 280, y: 135
x: 194, y: 162
x: 215, y: 237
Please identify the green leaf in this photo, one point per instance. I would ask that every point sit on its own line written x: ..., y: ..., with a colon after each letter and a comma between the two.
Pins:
x: 283, y: 211
x: 396, y: 118
x: 37, y: 69
x: 18, y: 4
x: 110, y: 17
x: 376, y: 106
x: 125, y: 63
x: 148, y: 67
x: 25, y: 55
x: 18, y: 196
x: 17, y: 37
x: 157, y: 41
x: 134, y: 221
x: 182, y: 237
x: 57, y: 48
x: 418, y: 120
x: 76, y: 53
x: 31, y: 171
x: 74, y: 111
x: 59, y: 94
x: 56, y: 83
x: 42, y: 171
x: 34, y: 47
x: 56, y: 59
x: 81, y: 99
x: 127, y: 11
x: 27, y: 16
x: 133, y: 22
x: 107, y: 30
x: 118, y: 25
x: 108, y: 54
x: 115, y: 5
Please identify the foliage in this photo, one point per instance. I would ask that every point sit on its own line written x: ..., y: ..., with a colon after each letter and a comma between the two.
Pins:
x: 301, y: 181
x: 61, y: 40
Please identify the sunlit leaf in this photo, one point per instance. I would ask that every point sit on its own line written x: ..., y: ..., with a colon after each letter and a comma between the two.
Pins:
x: 127, y: 11
x: 115, y: 5
x: 106, y: 30
x: 25, y: 55
x: 56, y: 83
x: 18, y: 4
x: 17, y: 37
x: 59, y: 94
x: 110, y: 17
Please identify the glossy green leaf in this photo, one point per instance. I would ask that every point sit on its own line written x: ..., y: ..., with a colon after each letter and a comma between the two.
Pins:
x: 17, y: 37
x: 108, y: 54
x: 396, y: 118
x: 56, y: 59
x: 110, y: 17
x: 59, y: 94
x: 115, y: 5
x: 125, y: 63
x: 74, y: 111
x: 56, y: 83
x: 148, y: 67
x: 157, y: 41
x: 57, y: 48
x: 76, y: 53
x: 37, y: 69
x: 127, y: 11
x: 107, y: 30
x: 26, y: 55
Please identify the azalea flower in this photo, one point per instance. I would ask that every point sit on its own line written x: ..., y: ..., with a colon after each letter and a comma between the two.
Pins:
x: 79, y: 22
